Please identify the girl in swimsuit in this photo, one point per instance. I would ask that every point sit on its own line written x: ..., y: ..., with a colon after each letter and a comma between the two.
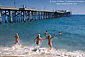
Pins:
x: 38, y: 38
x: 17, y: 39
x: 49, y: 40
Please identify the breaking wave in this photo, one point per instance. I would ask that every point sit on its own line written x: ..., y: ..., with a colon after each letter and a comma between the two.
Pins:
x: 38, y: 52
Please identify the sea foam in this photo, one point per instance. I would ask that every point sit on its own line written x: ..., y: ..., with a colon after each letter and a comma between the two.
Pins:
x: 38, y: 52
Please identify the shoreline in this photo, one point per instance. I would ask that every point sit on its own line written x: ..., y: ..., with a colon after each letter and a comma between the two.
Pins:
x: 40, y: 52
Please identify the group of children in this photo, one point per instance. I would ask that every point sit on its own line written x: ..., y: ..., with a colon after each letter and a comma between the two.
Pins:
x: 38, y: 38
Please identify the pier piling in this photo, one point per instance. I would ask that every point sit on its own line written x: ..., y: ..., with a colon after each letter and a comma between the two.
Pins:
x: 35, y: 16
x: 27, y: 15
x: 31, y: 16
x: 19, y: 16
x: 5, y: 17
x: 41, y: 15
x: 44, y: 15
x: 0, y: 17
x: 47, y: 15
x: 10, y: 16
x: 24, y: 16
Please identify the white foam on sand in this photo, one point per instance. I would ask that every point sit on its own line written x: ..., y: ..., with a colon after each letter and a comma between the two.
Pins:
x: 38, y: 52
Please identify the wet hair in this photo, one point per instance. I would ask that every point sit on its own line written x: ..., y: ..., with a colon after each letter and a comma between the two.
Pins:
x: 38, y: 35
x: 49, y: 36
x: 46, y: 31
x: 59, y: 32
x: 16, y: 33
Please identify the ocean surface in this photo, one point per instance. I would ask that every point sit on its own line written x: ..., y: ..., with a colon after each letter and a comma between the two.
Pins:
x: 71, y: 41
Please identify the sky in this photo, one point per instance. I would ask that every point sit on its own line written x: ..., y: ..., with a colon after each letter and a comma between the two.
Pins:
x: 76, y: 6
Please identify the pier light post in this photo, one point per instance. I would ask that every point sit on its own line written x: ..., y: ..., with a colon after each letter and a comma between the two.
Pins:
x: 0, y: 17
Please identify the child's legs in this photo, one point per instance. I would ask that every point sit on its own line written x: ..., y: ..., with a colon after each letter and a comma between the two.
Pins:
x: 38, y: 43
x: 50, y: 46
x: 18, y: 43
x: 14, y: 44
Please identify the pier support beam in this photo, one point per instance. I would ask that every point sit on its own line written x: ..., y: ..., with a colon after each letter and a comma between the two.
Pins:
x: 17, y: 16
x: 21, y: 16
x: 14, y: 19
x: 5, y: 17
x: 52, y: 15
x: 31, y: 16
x: 47, y: 15
x: 27, y: 15
x: 44, y: 15
x: 10, y: 16
x: 24, y: 16
x: 0, y: 17
x: 39, y: 15
x: 35, y: 16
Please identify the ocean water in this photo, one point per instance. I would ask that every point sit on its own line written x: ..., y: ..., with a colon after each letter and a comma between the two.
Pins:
x: 70, y: 43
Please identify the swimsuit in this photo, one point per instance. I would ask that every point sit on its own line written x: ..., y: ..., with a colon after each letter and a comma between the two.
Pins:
x: 37, y: 42
x: 49, y: 43
x: 16, y: 41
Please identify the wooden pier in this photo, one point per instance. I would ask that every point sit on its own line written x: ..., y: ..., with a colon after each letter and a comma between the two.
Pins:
x: 13, y: 15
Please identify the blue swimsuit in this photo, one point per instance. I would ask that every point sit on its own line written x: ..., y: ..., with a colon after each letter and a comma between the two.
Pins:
x: 16, y: 41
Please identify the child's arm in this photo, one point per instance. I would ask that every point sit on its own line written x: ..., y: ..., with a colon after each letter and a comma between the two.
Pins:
x: 44, y: 38
x: 41, y: 39
x: 34, y: 40
x: 53, y: 36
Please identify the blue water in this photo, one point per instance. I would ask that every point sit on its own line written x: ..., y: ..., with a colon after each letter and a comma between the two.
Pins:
x: 73, y: 29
